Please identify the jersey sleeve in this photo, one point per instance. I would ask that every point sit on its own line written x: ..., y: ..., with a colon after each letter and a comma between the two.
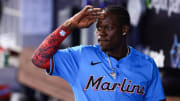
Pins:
x: 155, y: 90
x: 64, y: 64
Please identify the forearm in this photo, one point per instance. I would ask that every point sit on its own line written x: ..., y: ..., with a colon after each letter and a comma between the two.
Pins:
x: 48, y: 47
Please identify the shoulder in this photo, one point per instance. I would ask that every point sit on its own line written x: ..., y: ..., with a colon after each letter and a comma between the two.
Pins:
x: 142, y: 63
x: 141, y: 56
x: 81, y: 49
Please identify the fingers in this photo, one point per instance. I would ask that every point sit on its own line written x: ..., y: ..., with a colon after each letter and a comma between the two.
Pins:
x: 86, y: 16
x: 93, y: 12
x: 87, y: 7
x: 90, y: 22
x: 100, y: 15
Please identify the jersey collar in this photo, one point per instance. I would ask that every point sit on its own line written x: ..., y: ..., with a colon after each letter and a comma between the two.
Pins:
x: 104, y: 56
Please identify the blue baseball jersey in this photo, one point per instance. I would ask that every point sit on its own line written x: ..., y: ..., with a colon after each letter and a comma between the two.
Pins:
x: 87, y: 70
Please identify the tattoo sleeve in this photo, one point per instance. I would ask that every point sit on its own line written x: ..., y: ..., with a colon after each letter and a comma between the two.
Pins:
x: 46, y: 50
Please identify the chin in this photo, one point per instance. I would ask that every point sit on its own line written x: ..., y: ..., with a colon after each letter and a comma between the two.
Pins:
x: 103, y: 48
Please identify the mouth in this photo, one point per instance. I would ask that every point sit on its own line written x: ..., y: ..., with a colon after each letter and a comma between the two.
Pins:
x: 103, y: 40
x: 104, y: 44
x: 100, y: 41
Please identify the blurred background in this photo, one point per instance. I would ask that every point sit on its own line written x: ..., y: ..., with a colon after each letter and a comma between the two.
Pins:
x: 25, y: 23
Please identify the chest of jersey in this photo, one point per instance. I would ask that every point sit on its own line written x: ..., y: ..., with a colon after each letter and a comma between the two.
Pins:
x: 96, y: 79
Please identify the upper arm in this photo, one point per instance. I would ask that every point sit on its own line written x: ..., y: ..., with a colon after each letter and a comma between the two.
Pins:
x: 155, y: 90
x: 64, y: 64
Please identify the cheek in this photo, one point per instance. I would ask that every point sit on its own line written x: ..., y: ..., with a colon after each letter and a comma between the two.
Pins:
x: 114, y: 35
x: 116, y: 38
x: 97, y: 33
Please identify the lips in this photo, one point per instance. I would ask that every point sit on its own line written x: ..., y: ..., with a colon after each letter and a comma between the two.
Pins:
x: 103, y: 41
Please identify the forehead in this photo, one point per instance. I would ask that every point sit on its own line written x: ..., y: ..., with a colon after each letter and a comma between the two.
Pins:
x: 108, y: 19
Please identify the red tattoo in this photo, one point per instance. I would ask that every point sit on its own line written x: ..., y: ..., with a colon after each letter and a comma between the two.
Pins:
x: 48, y: 48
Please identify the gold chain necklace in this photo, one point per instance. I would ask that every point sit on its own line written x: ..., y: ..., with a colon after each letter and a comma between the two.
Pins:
x: 113, y: 74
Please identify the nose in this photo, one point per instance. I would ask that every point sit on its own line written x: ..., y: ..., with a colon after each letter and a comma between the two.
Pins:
x: 101, y: 32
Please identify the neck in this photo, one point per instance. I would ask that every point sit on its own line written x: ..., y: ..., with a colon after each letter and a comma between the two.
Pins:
x: 119, y: 52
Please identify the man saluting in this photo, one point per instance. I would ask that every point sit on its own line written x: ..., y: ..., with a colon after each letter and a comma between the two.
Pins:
x: 108, y: 71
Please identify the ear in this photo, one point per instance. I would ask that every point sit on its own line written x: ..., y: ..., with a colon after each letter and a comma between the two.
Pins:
x: 125, y: 29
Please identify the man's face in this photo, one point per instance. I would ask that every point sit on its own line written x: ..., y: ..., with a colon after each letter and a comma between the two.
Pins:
x: 109, y: 33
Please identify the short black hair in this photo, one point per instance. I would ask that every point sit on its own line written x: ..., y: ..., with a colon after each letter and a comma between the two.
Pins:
x: 122, y: 14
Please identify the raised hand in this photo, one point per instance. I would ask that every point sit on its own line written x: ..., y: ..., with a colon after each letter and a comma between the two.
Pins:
x: 84, y: 18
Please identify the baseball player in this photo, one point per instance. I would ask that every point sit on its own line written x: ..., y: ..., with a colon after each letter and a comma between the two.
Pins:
x: 108, y: 71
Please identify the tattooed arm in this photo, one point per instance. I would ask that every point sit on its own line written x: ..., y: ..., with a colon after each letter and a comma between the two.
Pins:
x: 50, y: 45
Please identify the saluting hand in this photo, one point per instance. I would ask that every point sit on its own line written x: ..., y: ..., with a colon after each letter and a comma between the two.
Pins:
x: 84, y: 18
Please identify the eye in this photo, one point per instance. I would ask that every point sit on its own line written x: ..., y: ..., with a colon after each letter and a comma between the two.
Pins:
x: 109, y: 28
x: 99, y: 28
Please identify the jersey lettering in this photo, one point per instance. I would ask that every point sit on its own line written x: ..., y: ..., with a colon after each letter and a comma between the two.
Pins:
x: 108, y: 86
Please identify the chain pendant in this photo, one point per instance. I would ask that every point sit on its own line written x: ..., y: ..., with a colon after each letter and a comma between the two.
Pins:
x: 113, y: 75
